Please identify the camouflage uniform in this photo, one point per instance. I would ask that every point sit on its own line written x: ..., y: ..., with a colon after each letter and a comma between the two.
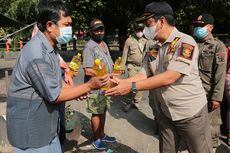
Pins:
x: 212, y: 67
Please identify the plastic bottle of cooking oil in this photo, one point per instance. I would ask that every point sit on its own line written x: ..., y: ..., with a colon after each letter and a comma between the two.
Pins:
x: 100, y: 69
x: 75, y: 64
x: 117, y: 66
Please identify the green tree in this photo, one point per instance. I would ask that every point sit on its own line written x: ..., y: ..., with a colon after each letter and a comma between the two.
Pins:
x: 84, y: 10
x: 24, y: 11
x: 4, y: 5
x: 118, y: 14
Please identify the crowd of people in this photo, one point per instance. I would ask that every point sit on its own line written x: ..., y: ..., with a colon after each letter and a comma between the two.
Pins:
x: 186, y: 76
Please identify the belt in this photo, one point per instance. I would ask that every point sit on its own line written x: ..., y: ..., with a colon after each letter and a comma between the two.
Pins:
x: 134, y: 64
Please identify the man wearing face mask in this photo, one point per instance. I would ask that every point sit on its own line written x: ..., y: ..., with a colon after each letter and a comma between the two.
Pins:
x: 172, y: 71
x: 212, y: 67
x: 132, y: 57
x: 36, y: 89
x: 97, y: 103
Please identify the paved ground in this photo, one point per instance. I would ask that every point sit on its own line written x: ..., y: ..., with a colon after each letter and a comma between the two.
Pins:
x: 134, y: 130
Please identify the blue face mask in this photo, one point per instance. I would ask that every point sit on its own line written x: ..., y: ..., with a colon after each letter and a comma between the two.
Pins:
x: 200, y: 32
x: 65, y: 35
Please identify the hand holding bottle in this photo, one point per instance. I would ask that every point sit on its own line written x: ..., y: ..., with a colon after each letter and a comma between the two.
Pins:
x: 98, y: 82
x: 100, y: 69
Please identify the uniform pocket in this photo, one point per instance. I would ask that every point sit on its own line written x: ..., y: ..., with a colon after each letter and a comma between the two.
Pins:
x: 205, y: 61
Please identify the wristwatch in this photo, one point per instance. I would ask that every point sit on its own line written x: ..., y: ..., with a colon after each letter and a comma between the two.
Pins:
x: 134, y: 87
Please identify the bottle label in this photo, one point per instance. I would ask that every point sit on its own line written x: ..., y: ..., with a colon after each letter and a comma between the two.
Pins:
x: 72, y: 65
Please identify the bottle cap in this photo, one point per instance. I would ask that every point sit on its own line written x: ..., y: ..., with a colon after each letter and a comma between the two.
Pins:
x: 97, y: 61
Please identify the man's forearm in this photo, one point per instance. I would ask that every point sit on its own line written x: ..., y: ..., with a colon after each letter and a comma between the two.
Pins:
x: 69, y: 93
x: 159, y: 80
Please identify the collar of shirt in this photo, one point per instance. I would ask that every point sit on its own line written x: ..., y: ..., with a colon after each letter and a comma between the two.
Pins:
x: 209, y: 40
x: 47, y: 46
x: 106, y: 49
x: 173, y: 34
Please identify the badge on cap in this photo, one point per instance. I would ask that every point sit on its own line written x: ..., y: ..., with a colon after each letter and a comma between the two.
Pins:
x: 98, y: 22
x: 186, y: 53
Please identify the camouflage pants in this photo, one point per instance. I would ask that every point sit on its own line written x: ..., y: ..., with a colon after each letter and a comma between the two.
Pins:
x: 97, y: 103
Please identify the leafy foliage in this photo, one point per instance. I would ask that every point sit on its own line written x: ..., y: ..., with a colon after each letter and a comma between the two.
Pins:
x: 119, y: 14
x: 85, y: 10
x: 24, y: 11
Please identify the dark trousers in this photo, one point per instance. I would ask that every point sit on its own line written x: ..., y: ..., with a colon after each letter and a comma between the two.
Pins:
x: 194, y: 131
x: 62, y: 129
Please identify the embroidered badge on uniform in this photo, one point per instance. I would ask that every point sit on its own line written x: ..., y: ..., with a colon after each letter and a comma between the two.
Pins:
x: 172, y: 45
x: 172, y: 48
x: 152, y: 54
x: 186, y: 53
x: 220, y: 57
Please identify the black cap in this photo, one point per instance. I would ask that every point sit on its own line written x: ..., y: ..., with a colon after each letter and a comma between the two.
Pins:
x: 138, y: 26
x: 96, y: 23
x: 205, y: 18
x: 156, y: 9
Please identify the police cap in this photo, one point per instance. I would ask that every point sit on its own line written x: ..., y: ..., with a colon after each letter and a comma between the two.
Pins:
x: 138, y: 26
x: 156, y: 9
x: 204, y: 19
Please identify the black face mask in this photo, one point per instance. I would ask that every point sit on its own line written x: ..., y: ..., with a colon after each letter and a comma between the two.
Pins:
x: 98, y: 38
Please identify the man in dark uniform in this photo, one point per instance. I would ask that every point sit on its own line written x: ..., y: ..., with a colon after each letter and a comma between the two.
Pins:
x: 212, y: 69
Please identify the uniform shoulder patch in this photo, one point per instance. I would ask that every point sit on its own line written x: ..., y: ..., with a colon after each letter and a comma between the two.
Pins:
x: 172, y: 45
x: 221, y: 52
x: 220, y: 57
x: 186, y: 53
x: 172, y: 48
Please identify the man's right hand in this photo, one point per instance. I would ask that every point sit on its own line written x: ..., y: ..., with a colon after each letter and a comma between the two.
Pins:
x: 98, y: 82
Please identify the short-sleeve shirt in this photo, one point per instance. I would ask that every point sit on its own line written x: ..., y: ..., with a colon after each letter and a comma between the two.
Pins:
x: 185, y: 97
x: 134, y: 51
x: 32, y: 115
x: 91, y: 52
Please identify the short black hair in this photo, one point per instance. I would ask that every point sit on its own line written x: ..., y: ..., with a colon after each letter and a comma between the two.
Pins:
x: 170, y: 19
x: 51, y: 12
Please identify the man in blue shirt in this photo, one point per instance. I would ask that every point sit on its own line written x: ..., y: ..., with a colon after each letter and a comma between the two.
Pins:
x: 36, y: 88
